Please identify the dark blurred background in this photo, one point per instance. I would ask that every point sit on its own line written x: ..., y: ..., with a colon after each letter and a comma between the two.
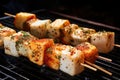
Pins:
x: 104, y: 11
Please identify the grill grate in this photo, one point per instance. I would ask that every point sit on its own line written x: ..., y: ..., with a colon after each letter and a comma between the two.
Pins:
x: 12, y: 68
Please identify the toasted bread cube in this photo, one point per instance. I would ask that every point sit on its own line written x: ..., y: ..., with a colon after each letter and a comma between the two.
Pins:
x: 38, y: 48
x: 89, y: 50
x: 70, y: 61
x: 4, y: 32
x: 55, y: 27
x: 103, y: 41
x: 38, y: 27
x: 21, y: 18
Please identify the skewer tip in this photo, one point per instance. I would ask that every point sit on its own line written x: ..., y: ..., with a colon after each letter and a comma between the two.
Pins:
x: 117, y: 45
x: 8, y: 14
x: 104, y: 58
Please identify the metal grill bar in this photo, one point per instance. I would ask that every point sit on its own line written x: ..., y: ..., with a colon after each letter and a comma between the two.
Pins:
x: 5, y: 69
x: 4, y: 76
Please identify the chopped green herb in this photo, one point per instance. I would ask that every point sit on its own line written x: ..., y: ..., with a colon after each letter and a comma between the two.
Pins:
x: 49, y: 50
x: 25, y: 34
x: 58, y: 57
x: 12, y: 37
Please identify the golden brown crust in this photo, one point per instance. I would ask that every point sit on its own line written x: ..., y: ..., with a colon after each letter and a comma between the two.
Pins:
x: 38, y: 48
x: 89, y: 50
x: 52, y: 57
x: 55, y: 27
x: 27, y: 24
x: 21, y: 18
x: 66, y: 33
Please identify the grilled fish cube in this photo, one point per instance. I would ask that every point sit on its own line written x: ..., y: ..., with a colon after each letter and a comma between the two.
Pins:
x: 10, y: 44
x: 103, y: 41
x: 4, y: 32
x: 38, y: 48
x: 70, y: 61
x: 53, y: 55
x: 73, y: 34
x: 23, y: 42
x: 21, y: 19
x: 13, y: 43
x: 55, y: 27
x: 77, y: 37
x: 38, y: 27
x: 89, y: 50
x: 81, y: 35
x: 23, y: 48
x: 66, y: 33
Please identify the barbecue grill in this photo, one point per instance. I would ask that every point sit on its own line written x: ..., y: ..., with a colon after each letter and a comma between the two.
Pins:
x: 13, y: 68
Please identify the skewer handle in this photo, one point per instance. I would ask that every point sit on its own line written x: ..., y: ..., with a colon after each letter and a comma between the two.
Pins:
x: 100, y: 68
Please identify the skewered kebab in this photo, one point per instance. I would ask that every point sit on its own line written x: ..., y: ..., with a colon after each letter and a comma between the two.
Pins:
x: 71, y: 34
x: 53, y: 29
x: 39, y: 52
x: 28, y: 46
x: 62, y: 31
